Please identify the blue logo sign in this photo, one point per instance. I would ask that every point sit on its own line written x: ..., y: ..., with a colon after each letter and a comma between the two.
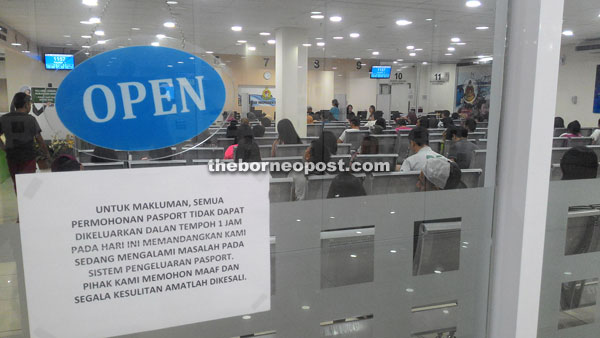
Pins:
x: 140, y: 98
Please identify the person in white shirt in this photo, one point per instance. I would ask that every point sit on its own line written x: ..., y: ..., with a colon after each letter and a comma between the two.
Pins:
x: 419, y: 144
x: 354, y: 127
x: 596, y: 135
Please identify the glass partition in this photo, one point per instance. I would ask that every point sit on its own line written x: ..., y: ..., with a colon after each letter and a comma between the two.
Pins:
x: 396, y: 247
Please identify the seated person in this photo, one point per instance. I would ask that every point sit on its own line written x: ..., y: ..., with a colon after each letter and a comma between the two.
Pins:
x: 461, y: 150
x: 330, y: 141
x: 573, y: 130
x: 376, y: 130
x: 247, y: 150
x: 65, y: 162
x: 419, y: 144
x: 251, y: 116
x: 258, y: 131
x: 265, y: 122
x: 471, y: 125
x: 346, y: 185
x: 401, y: 124
x: 559, y: 122
x: 309, y: 119
x: 369, y: 146
x: 381, y: 122
x: 423, y: 122
x: 317, y: 152
x: 579, y: 163
x: 596, y: 135
x: 446, y: 121
x: 231, y: 129
x: 439, y: 174
x: 354, y: 127
x: 242, y: 132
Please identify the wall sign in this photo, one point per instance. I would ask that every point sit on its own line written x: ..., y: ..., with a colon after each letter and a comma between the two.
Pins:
x: 397, y: 77
x: 140, y: 98
x: 43, y: 95
x: 151, y: 256
x: 440, y: 77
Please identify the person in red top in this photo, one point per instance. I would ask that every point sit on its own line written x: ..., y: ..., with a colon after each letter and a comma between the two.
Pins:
x: 401, y: 124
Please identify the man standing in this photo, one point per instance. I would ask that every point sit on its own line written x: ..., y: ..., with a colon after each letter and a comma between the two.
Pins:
x: 20, y: 130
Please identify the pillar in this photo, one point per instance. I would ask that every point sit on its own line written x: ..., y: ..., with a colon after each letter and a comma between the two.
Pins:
x: 291, y: 60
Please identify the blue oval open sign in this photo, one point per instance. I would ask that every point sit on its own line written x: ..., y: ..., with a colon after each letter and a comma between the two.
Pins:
x: 140, y: 98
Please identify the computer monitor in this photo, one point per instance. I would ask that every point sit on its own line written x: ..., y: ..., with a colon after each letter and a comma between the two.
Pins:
x: 362, y: 115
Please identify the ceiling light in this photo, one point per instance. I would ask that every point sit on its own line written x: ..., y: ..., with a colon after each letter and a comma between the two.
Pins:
x: 135, y: 29
x: 354, y: 35
x: 567, y: 33
x: 455, y: 39
x: 395, y: 62
x: 271, y: 42
x: 451, y: 49
x: 306, y: 44
x: 357, y: 59
x: 99, y: 32
x: 410, y: 47
x: 85, y: 22
x: 335, y: 18
x: 68, y: 44
x: 429, y: 19
x: 265, y: 33
x: 242, y: 41
x: 251, y: 48
x: 15, y: 44
x: 94, y: 20
x: 375, y: 53
x: 460, y: 43
x: 101, y: 42
x: 393, y: 251
x: 160, y: 36
x: 317, y: 16
x: 400, y: 60
x: 305, y: 307
x: 482, y: 28
x: 172, y: 2
x: 338, y: 37
x: 209, y: 52
x: 91, y: 3
x: 473, y: 3
x: 155, y: 44
x: 85, y: 46
x: 403, y: 22
x: 320, y: 44
x: 236, y: 28
x: 246, y: 317
x: 448, y: 54
x: 26, y: 52
x: 413, y: 54
x: 418, y: 49
x: 66, y: 36
x: 169, y: 24
x: 424, y: 62
x: 318, y: 38
x: 86, y: 36
x: 316, y: 12
x: 353, y: 256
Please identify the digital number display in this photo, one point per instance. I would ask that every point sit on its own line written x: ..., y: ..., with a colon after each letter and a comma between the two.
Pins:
x: 381, y: 72
x: 60, y: 61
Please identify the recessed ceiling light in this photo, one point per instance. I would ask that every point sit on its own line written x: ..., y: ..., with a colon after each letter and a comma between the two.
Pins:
x: 413, y: 54
x: 400, y: 60
x: 375, y: 53
x: 66, y: 36
x: 91, y: 3
x: 209, y: 52
x: 482, y: 28
x: 161, y: 36
x: 338, y: 37
x: 353, y: 256
x: 357, y: 59
x: 251, y: 48
x: 448, y: 54
x: 410, y: 47
x: 451, y: 49
x: 316, y: 12
x: 172, y: 2
x: 69, y: 44
x: 418, y: 49
x: 335, y: 18
x: 320, y: 44
x: 306, y: 44
x: 473, y: 3
x: 424, y: 62
x: 180, y: 62
x: 318, y: 38
x: 428, y: 19
x: 403, y: 22
x: 15, y: 44
x: 85, y: 46
x: 271, y: 42
x: 317, y: 16
x: 99, y: 32
x: 86, y: 36
x: 393, y: 251
x: 395, y: 62
x: 101, y: 42
x: 236, y: 28
x: 354, y: 35
x: 455, y: 39
x: 169, y: 24
x: 155, y: 44
x: 461, y: 43
x: 94, y: 20
x: 135, y: 29
x: 265, y: 33
x: 87, y: 53
x: 85, y: 22
x: 568, y: 33
x: 242, y: 41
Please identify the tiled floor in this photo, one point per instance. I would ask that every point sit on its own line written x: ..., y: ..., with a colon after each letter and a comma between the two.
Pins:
x: 10, y: 313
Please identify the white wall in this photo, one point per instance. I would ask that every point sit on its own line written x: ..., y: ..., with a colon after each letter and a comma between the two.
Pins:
x: 577, y: 77
x: 436, y: 96
x: 361, y: 90
x: 320, y: 89
x: 24, y: 71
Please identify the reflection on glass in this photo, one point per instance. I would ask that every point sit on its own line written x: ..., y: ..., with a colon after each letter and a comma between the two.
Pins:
x: 577, y: 303
x: 354, y: 327
x: 435, y: 321
x: 436, y: 246
x: 347, y: 256
x: 583, y: 231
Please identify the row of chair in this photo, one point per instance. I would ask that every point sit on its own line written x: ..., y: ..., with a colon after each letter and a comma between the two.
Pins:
x: 584, y: 131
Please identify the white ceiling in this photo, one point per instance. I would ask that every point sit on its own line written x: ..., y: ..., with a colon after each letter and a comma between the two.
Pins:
x: 206, y: 24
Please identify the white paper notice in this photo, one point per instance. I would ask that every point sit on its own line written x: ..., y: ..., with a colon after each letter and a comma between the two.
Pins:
x: 114, y: 252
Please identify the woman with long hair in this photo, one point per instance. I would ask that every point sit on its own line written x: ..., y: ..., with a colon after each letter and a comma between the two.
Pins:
x: 287, y: 135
